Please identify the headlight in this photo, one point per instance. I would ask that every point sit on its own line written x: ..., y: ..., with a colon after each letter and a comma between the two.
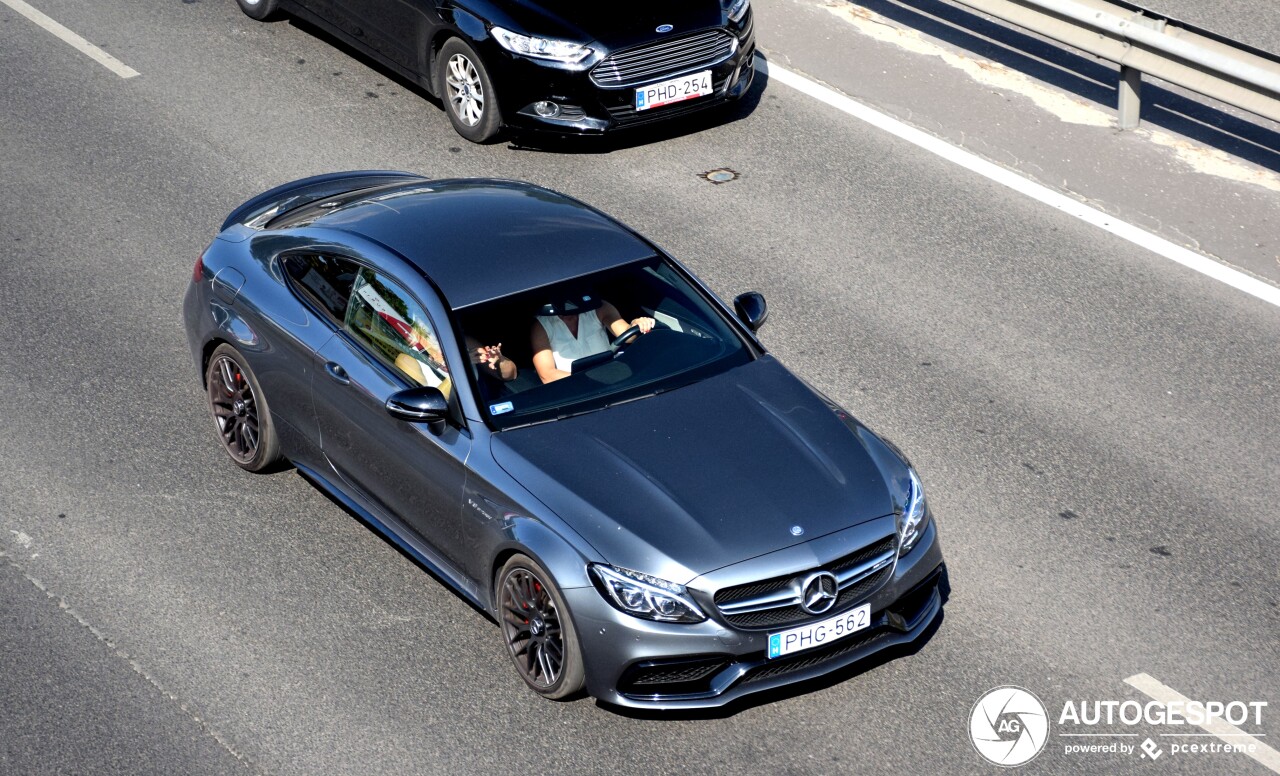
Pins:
x: 565, y: 51
x: 911, y: 523
x: 644, y: 596
x: 738, y: 9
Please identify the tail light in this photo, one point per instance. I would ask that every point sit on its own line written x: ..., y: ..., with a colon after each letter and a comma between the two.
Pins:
x: 197, y: 274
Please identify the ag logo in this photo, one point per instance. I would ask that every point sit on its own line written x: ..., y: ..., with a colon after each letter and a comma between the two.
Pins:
x: 1008, y: 726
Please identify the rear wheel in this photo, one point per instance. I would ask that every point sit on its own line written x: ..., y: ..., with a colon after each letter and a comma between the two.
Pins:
x: 259, y: 9
x: 467, y: 92
x: 538, y: 630
x: 239, y: 411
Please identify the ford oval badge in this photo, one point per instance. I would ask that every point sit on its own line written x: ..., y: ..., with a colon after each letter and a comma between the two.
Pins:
x: 664, y: 28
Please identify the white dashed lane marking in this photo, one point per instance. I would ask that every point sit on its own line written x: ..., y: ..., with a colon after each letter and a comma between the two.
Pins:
x: 71, y: 39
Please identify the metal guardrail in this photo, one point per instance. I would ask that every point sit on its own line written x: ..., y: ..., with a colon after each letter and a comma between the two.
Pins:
x: 1141, y: 41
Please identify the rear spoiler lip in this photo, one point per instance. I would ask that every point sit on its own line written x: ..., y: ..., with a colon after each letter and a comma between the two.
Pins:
x: 268, y: 199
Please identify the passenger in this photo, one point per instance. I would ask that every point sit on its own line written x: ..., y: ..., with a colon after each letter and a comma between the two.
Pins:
x: 428, y: 368
x: 575, y: 329
x: 490, y: 359
x: 424, y: 363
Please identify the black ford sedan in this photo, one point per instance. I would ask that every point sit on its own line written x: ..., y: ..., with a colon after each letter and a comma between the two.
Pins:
x: 569, y: 66
x: 568, y: 428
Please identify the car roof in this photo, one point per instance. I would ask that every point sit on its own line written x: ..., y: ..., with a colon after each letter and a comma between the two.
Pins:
x: 481, y: 239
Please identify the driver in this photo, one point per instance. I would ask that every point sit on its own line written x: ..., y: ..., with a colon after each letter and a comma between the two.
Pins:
x: 577, y: 327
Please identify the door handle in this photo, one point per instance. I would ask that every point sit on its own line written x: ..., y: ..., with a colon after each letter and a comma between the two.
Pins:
x: 335, y: 371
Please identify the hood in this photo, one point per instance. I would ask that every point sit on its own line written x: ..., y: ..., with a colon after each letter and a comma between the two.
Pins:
x: 599, y: 22
x: 704, y: 476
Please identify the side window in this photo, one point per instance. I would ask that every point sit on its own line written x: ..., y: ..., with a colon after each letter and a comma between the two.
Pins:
x: 324, y: 281
x: 391, y: 324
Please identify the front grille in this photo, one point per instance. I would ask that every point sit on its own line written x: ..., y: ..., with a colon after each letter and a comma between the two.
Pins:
x: 789, y: 612
x: 653, y: 60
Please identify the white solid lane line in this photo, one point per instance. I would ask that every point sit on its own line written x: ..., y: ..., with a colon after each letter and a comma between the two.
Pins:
x: 73, y: 40
x: 1126, y: 231
x: 1215, y: 727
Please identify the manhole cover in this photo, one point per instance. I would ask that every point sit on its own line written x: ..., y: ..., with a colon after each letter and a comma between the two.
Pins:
x: 722, y: 175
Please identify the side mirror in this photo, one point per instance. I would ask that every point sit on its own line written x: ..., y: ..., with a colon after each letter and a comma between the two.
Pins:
x: 752, y: 309
x: 420, y: 405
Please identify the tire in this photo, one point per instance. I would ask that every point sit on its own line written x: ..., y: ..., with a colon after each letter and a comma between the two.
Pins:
x: 262, y: 10
x: 538, y: 630
x: 239, y: 410
x: 467, y: 92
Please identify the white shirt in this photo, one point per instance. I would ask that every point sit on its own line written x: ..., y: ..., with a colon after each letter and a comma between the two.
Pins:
x: 591, y: 339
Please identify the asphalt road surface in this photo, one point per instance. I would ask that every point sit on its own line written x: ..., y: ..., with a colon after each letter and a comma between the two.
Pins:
x: 1248, y: 21
x: 1095, y: 425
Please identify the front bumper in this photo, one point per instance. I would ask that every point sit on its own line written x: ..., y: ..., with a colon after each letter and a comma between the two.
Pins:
x: 590, y: 109
x: 643, y: 664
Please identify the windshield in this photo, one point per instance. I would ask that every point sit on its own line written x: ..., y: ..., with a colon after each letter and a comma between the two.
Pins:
x: 584, y: 344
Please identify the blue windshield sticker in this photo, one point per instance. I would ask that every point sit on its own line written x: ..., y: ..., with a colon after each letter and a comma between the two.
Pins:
x: 498, y: 409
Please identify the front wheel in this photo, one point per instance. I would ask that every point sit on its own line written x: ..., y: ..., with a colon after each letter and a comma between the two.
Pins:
x: 259, y: 9
x: 538, y: 630
x: 467, y: 92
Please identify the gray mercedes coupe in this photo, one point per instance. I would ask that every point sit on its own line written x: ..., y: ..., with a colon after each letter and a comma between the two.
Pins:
x: 561, y: 422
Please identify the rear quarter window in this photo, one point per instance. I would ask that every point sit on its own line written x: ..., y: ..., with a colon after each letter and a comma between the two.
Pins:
x: 323, y: 281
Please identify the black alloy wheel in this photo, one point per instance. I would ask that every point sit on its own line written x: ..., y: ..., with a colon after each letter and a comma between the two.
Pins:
x: 538, y: 630
x: 261, y: 10
x: 240, y: 412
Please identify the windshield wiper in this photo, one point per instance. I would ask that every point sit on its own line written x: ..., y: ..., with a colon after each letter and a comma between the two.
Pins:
x: 575, y: 414
x: 630, y: 399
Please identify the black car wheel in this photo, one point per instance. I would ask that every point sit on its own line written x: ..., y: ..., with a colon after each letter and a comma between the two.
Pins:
x: 467, y: 92
x: 240, y: 412
x: 538, y: 630
x: 259, y: 9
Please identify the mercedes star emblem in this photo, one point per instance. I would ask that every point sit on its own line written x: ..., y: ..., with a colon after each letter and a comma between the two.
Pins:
x: 818, y: 592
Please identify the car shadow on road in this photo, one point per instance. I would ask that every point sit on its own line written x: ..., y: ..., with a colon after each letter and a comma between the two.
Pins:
x: 378, y: 532
x: 804, y: 687
x: 1084, y: 76
x: 408, y: 84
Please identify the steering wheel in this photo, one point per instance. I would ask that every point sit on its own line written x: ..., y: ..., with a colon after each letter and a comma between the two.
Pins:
x: 624, y: 337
